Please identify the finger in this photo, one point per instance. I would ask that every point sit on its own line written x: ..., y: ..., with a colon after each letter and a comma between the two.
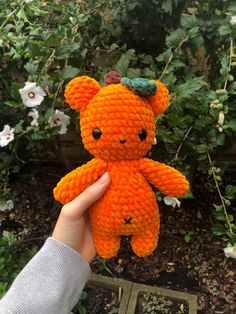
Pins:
x: 78, y: 205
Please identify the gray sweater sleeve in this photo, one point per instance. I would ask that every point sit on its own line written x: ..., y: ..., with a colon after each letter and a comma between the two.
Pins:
x: 50, y: 283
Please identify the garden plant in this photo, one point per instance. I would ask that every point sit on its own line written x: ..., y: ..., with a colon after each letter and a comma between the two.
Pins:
x: 188, y: 45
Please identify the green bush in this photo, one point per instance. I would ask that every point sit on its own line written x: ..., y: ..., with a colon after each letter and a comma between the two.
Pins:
x: 188, y: 45
x: 10, y: 261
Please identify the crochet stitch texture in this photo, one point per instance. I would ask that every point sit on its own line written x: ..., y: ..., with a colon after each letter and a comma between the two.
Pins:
x: 118, y: 128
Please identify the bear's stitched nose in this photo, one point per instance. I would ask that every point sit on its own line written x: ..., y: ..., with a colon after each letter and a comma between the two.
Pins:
x: 122, y: 141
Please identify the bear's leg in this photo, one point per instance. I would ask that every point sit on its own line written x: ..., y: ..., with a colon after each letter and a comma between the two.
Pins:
x: 106, y: 246
x: 146, y: 243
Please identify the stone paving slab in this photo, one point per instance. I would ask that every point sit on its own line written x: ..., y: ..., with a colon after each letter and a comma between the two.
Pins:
x: 129, y: 292
x: 189, y: 299
x: 122, y: 287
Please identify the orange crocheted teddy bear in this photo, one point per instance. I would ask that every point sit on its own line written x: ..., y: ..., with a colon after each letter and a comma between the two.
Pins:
x: 118, y: 128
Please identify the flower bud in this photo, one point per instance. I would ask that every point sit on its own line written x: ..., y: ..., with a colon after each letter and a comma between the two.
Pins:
x: 221, y: 91
x: 221, y: 118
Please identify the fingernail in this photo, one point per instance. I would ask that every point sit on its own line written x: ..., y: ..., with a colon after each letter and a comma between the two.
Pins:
x: 103, y: 179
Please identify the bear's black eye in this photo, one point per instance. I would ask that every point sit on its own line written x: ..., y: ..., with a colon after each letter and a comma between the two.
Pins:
x: 142, y: 134
x: 97, y: 133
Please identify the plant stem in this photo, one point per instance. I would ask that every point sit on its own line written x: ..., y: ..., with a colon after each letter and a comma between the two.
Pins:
x: 48, y: 62
x: 60, y: 84
x: 171, y: 57
x: 219, y: 192
x: 231, y: 52
x: 181, y: 144
x: 4, y: 23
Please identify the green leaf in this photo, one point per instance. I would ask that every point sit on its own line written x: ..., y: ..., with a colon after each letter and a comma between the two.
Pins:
x: 18, y: 127
x: 175, y: 38
x: 188, y: 89
x: 187, y: 238
x: 224, y: 30
x: 132, y: 73
x: 31, y: 68
x: 232, y: 125
x: 167, y: 6
x: 173, y: 119
x: 165, y: 134
x: 202, y: 148
x: 22, y: 16
x: 220, y: 141
x: 199, y: 215
x: 225, y: 68
x: 62, y: 51
x: 182, y: 231
x: 13, y: 104
x: 219, y: 216
x: 230, y: 192
x: 165, y: 56
x: 193, y: 32
x: 148, y: 73
x: 232, y: 8
x: 147, y: 59
x: 69, y: 72
x: 197, y: 41
x: 48, y: 113
x: 34, y: 49
x: 190, y: 21
x: 218, y: 230
x: 122, y: 65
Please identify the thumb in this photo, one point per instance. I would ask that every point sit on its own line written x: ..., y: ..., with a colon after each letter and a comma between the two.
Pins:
x: 84, y: 200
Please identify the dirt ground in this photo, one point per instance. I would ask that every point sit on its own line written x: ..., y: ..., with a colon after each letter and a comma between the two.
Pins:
x: 197, y: 267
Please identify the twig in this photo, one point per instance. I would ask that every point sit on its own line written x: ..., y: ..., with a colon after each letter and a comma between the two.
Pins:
x: 48, y: 62
x: 171, y: 57
x: 4, y: 23
x: 180, y: 146
x: 219, y: 192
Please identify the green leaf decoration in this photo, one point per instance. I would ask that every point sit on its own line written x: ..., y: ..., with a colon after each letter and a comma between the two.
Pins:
x: 141, y: 86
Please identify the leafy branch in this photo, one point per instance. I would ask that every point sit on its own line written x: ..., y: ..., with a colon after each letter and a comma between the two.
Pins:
x: 181, y: 144
x: 172, y: 56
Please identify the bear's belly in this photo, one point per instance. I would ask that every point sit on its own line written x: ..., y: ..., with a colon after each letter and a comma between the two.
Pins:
x: 127, y: 207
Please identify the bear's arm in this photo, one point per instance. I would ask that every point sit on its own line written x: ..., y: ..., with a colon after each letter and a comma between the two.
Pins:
x: 78, y: 180
x: 167, y: 179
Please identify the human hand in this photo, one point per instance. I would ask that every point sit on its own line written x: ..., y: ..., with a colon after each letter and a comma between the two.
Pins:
x: 72, y: 227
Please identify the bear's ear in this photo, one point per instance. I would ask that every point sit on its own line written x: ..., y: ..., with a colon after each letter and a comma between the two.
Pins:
x: 160, y: 101
x: 80, y: 91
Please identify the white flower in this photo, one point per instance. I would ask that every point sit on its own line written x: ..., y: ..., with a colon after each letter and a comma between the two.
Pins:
x: 5, y: 206
x: 171, y: 201
x: 6, y: 136
x: 32, y: 95
x: 221, y: 118
x: 233, y: 20
x: 34, y: 114
x: 230, y: 251
x: 59, y: 118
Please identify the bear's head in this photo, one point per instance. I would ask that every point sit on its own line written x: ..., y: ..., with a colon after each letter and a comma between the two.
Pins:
x: 118, y: 120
